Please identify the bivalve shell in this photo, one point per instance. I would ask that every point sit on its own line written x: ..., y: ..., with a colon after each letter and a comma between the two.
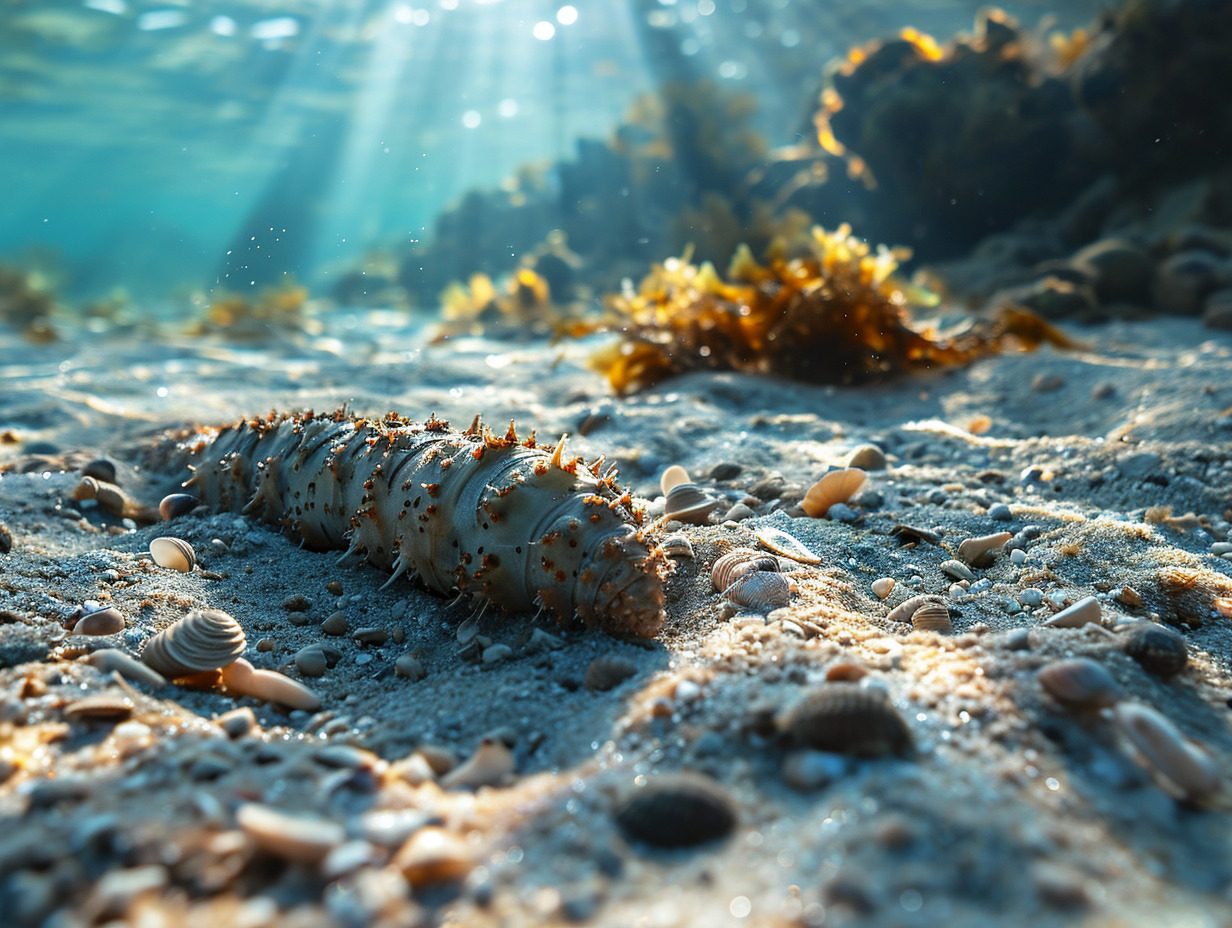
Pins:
x: 490, y: 765
x: 1080, y: 613
x: 785, y: 545
x: 760, y: 590
x: 979, y: 552
x: 907, y: 608
x: 201, y: 641
x: 174, y: 553
x: 847, y: 718
x: 676, y: 810
x: 108, y: 621
x: 838, y: 486
x: 687, y: 502
x: 673, y: 477
x: 735, y: 564
x: 1158, y: 649
x: 932, y: 616
x: 1080, y: 681
x: 291, y: 837
x: 1181, y: 767
x: 677, y: 544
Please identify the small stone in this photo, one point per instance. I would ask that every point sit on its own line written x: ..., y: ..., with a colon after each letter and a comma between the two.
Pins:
x: 370, y: 635
x: 238, y: 722
x: 1031, y: 597
x: 410, y: 667
x: 1103, y: 390
x: 866, y: 457
x: 725, y: 471
x: 310, y: 661
x: 841, y: 512
x: 109, y: 621
x: 1159, y: 649
x: 265, y: 645
x: 297, y: 603
x: 1000, y: 512
x: 1047, y: 383
x: 294, y: 838
x: 336, y: 624
x: 739, y: 513
x: 334, y: 587
x: 882, y: 586
x: 957, y: 570
x: 6, y: 539
x: 1018, y: 557
x: 494, y: 654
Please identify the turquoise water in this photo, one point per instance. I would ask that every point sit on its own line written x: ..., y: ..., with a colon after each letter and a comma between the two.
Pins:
x: 167, y: 147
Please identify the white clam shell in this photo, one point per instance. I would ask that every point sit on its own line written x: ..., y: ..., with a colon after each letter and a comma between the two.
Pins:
x: 787, y: 545
x: 173, y: 553
x: 490, y: 765
x: 672, y: 478
x: 1080, y: 613
x: 1180, y: 766
x: 294, y: 838
x: 203, y: 640
x: 687, y: 502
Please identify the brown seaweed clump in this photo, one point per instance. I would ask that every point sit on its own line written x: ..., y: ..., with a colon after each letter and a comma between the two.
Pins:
x: 523, y: 307
x: 27, y: 302
x: 276, y: 309
x: 826, y: 310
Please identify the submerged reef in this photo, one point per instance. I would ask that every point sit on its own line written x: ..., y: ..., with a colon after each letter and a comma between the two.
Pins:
x: 824, y: 309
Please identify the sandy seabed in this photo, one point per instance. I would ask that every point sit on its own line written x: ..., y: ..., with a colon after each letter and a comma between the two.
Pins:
x: 125, y: 804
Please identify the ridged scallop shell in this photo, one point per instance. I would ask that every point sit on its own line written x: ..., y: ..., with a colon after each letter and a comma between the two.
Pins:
x: 735, y: 564
x: 677, y: 810
x: 907, y: 608
x: 761, y: 590
x: 1159, y: 650
x: 932, y: 617
x: 203, y: 640
x: 847, y: 718
x: 1080, y: 681
x: 174, y: 553
x: 788, y: 546
x: 687, y: 502
x: 838, y: 486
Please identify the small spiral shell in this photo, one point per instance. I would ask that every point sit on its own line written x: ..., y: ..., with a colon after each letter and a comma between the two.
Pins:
x: 201, y: 641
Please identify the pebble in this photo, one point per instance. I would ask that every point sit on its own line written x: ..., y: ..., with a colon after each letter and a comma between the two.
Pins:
x: 297, y: 603
x: 809, y: 770
x: 841, y: 512
x: 1031, y: 597
x: 370, y: 635
x: 432, y: 856
x: 1018, y: 557
x: 310, y: 661
x: 108, y: 621
x: 1159, y: 649
x: 410, y: 667
x: 882, y: 586
x: 1000, y: 512
x: 238, y: 722
x: 957, y: 570
x: 866, y: 457
x: 336, y: 624
x: 494, y: 654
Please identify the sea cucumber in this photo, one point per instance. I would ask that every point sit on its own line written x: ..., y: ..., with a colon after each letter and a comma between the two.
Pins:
x: 503, y: 520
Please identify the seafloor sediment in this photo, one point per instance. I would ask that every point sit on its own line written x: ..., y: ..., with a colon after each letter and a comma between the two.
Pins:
x: 122, y: 803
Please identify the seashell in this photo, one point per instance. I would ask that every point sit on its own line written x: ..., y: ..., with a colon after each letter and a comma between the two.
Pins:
x: 979, y: 552
x: 866, y: 457
x: 490, y: 765
x: 1179, y: 766
x: 1080, y: 613
x: 846, y: 672
x: 432, y: 856
x: 676, y: 810
x: 847, y: 718
x: 1158, y: 649
x: 202, y: 640
x: 785, y: 545
x: 113, y: 500
x: 109, y: 621
x: 957, y: 570
x: 110, y: 707
x: 673, y: 477
x: 174, y: 553
x: 176, y: 505
x: 760, y: 590
x: 100, y: 469
x: 1080, y: 681
x: 932, y: 616
x: 676, y: 544
x: 882, y: 586
x: 906, y: 609
x: 735, y: 564
x: 113, y: 660
x: 908, y: 536
x: 1223, y: 605
x: 605, y: 673
x: 295, y: 838
x: 242, y: 678
x: 838, y: 486
x: 687, y: 502
x: 409, y: 666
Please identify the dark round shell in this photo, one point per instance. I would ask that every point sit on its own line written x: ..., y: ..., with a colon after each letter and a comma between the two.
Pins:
x: 100, y: 469
x: 677, y: 810
x: 847, y: 718
x: 1158, y: 649
x: 176, y: 505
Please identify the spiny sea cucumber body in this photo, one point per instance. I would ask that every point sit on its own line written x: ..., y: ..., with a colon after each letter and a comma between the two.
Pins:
x: 505, y: 521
